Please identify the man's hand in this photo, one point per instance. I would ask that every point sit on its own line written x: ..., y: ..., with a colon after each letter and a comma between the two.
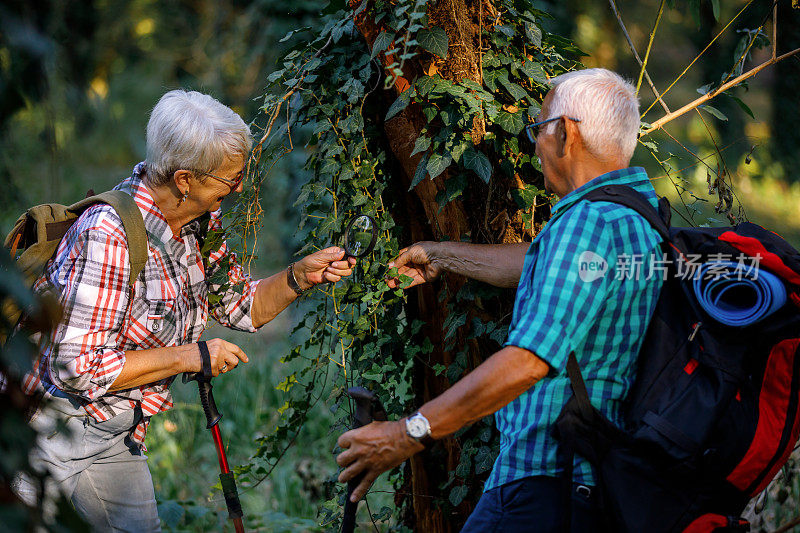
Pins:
x: 418, y: 261
x: 326, y: 266
x: 372, y: 450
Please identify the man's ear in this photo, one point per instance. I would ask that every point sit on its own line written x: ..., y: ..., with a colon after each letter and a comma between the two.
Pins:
x: 181, y: 180
x: 569, y: 135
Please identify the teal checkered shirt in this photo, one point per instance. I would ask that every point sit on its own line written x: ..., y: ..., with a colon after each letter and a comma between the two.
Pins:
x: 584, y: 288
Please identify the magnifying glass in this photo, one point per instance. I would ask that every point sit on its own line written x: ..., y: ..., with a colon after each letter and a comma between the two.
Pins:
x: 360, y: 235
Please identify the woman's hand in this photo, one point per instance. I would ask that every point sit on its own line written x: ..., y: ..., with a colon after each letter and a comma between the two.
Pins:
x: 225, y: 356
x: 326, y: 266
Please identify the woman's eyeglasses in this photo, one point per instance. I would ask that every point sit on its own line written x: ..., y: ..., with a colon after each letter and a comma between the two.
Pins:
x: 234, y: 184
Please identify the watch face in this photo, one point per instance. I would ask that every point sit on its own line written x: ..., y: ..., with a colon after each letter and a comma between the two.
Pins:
x: 416, y: 427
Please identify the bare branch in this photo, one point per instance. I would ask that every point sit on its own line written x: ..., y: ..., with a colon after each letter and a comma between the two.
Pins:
x: 701, y: 53
x: 708, y: 96
x: 650, y: 46
x: 636, y: 55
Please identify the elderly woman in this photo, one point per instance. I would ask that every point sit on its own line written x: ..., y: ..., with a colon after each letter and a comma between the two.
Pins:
x: 109, y: 363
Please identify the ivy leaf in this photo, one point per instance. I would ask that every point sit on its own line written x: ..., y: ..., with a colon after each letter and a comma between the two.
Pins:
x: 422, y: 144
x: 534, y: 70
x: 477, y: 161
x: 381, y: 43
x: 401, y: 103
x: 422, y: 170
x: 458, y: 150
x: 457, y: 495
x: 437, y: 163
x: 434, y: 40
x: 525, y: 197
x: 489, y: 77
x: 425, y: 84
x: 713, y: 111
x: 534, y: 34
x: 511, y: 122
x: 517, y: 92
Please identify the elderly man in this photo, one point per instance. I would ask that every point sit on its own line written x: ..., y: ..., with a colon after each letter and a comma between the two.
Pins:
x: 109, y: 364
x: 585, y: 137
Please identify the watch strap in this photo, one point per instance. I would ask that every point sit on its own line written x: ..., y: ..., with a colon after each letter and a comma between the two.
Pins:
x: 426, y: 440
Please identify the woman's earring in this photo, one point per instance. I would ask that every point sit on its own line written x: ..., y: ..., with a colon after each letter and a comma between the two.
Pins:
x: 183, y: 198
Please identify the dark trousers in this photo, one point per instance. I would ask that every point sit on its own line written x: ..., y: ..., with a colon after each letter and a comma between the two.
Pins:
x: 535, y: 504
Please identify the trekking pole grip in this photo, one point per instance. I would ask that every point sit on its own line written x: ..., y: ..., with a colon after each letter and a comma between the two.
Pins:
x: 368, y: 408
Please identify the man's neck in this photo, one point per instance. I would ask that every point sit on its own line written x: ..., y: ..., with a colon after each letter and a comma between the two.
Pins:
x: 589, y: 169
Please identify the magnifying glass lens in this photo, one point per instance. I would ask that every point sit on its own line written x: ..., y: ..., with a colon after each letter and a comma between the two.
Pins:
x: 360, y: 236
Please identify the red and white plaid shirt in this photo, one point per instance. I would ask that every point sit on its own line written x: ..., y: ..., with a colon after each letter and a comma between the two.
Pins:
x: 104, y: 317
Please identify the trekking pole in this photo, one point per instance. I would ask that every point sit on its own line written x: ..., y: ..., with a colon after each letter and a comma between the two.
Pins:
x: 212, y: 418
x: 368, y: 408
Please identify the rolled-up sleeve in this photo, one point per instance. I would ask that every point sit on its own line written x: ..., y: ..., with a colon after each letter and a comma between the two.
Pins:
x: 83, y: 357
x: 230, y: 303
x: 570, y: 280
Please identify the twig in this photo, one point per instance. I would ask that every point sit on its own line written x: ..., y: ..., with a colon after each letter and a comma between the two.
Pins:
x: 708, y: 96
x: 786, y: 527
x: 701, y: 54
x: 649, y: 46
x: 636, y: 55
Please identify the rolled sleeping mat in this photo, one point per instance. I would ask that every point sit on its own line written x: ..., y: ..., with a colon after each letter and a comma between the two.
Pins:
x: 737, y: 295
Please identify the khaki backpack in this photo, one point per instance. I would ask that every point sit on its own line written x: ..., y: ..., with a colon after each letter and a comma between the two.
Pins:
x: 40, y: 229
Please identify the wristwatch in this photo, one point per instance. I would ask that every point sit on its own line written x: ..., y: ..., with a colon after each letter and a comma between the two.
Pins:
x: 418, y: 427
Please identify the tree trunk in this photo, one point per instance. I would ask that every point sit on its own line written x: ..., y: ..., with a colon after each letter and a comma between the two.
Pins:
x: 484, y: 214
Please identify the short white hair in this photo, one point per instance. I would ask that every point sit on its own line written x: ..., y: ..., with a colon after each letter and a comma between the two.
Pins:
x: 607, y: 107
x: 192, y: 131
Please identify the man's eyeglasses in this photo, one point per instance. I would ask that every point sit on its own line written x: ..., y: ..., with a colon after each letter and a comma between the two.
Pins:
x: 234, y: 184
x: 532, y: 130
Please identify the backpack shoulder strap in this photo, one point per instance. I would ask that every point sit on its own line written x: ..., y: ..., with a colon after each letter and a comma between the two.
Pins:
x: 132, y: 221
x: 632, y: 199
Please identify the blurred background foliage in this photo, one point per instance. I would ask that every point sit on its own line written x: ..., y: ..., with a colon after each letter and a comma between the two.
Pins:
x: 78, y: 79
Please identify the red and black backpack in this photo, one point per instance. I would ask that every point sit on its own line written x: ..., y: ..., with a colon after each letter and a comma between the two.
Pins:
x: 714, y: 412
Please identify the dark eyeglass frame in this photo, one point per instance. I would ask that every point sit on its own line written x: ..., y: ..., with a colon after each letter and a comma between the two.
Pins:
x: 532, y: 130
x: 232, y: 184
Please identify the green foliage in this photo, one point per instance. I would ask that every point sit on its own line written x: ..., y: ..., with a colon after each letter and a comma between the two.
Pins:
x: 359, y: 331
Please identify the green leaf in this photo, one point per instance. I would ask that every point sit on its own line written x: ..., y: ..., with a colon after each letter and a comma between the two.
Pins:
x: 453, y: 188
x: 534, y: 70
x: 525, y: 197
x: 437, y: 163
x: 457, y: 495
x: 425, y: 84
x: 517, y: 92
x: 477, y: 161
x: 489, y: 77
x: 511, y: 122
x: 744, y: 106
x: 714, y: 111
x: 715, y: 8
x: 434, y: 40
x: 422, y: 144
x: 381, y: 43
x: 459, y: 149
x: 399, y: 104
x: 534, y: 34
x: 421, y: 172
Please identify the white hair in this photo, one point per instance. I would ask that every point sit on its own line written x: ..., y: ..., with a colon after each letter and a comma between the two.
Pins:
x: 192, y: 131
x: 607, y: 107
